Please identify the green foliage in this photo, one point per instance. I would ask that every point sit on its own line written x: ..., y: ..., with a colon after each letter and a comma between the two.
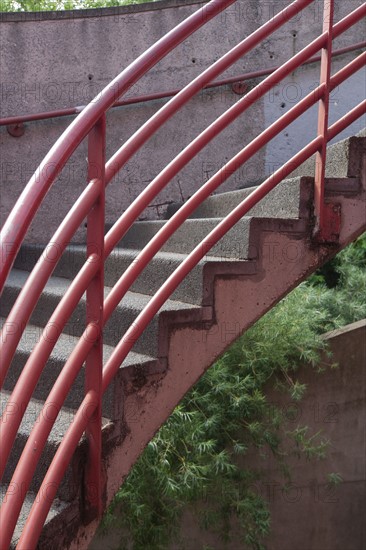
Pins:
x: 195, y: 457
x: 331, y: 273
x: 57, y: 5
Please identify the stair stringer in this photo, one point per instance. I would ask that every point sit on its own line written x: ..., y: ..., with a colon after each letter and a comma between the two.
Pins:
x: 287, y: 255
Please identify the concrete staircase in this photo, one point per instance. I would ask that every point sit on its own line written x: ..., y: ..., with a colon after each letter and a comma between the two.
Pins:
x: 257, y: 263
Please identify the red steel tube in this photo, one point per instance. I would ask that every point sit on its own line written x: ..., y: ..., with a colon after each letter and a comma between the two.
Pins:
x: 293, y: 167
x: 18, y: 221
x: 168, y: 93
x: 144, y: 318
x: 28, y: 378
x: 27, y: 299
x: 129, y: 148
x: 323, y: 112
x: 47, y: 492
x: 12, y: 503
x: 94, y: 314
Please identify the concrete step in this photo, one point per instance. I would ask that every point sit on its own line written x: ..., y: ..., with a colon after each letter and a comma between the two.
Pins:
x: 281, y: 202
x: 234, y: 245
x: 344, y: 159
x: 149, y: 281
x: 58, y: 508
x: 124, y: 315
x: 70, y: 484
x: 135, y: 362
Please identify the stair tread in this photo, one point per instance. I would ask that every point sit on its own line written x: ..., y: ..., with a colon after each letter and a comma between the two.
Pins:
x: 57, y: 507
x: 132, y: 252
x: 58, y: 285
x: 66, y: 344
x: 34, y: 408
x: 176, y: 256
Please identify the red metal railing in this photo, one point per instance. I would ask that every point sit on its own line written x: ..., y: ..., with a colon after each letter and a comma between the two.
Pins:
x: 59, y: 113
x: 91, y: 122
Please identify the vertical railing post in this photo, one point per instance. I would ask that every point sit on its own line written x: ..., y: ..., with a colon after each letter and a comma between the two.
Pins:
x: 94, y: 315
x: 327, y: 216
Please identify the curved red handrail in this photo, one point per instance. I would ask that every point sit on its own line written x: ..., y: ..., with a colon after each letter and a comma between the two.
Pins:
x: 31, y: 372
x: 18, y: 221
x: 30, y: 456
x: 72, y: 367
x: 21, y: 119
x: 22, y: 311
x: 25, y: 386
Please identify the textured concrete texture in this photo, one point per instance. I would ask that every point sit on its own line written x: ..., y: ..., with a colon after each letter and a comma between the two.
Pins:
x: 60, y: 353
x: 119, y: 322
x: 97, y: 44
x: 57, y: 509
x: 33, y: 411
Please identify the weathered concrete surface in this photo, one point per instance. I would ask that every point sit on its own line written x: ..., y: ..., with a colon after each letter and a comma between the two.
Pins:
x: 311, y: 515
x: 52, y: 61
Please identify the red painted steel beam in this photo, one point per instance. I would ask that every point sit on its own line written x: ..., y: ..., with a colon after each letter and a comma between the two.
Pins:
x: 59, y: 113
x: 323, y: 115
x: 94, y: 314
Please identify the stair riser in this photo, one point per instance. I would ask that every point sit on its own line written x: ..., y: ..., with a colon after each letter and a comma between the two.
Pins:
x: 48, y: 378
x: 234, y: 245
x: 282, y: 202
x: 120, y: 321
x: 148, y: 282
x: 68, y: 487
x: 344, y: 160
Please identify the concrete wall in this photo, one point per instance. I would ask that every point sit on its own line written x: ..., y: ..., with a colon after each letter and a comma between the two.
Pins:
x: 56, y: 60
x: 310, y: 515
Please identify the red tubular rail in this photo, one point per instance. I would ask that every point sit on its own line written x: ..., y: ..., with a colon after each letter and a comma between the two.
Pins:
x: 56, y: 471
x: 321, y: 154
x: 33, y: 368
x: 23, y: 212
x: 39, y: 274
x: 72, y: 366
x: 8, y: 121
x: 92, y: 121
x: 94, y: 315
